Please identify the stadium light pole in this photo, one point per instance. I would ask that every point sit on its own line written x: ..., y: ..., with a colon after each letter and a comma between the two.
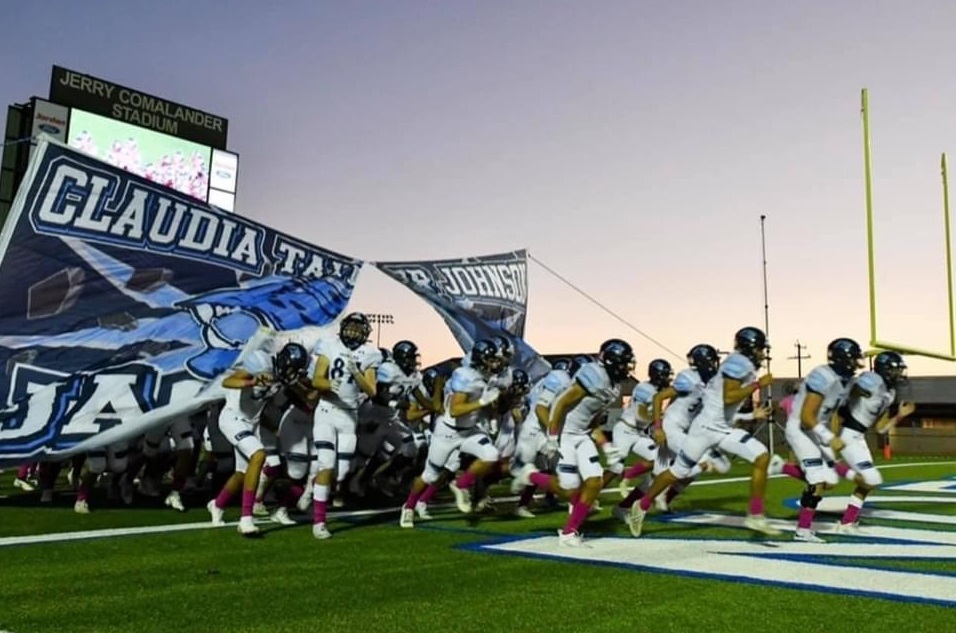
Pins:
x: 379, y: 320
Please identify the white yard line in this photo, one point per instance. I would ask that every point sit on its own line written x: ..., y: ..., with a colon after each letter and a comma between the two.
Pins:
x: 60, y: 537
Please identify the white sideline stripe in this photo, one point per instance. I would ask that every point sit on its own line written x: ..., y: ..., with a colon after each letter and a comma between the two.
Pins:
x: 60, y: 537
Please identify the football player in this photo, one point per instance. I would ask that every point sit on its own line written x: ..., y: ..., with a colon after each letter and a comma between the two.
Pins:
x: 637, y: 432
x: 808, y: 429
x: 344, y: 371
x: 735, y: 382
x: 594, y: 389
x: 250, y: 386
x: 461, y: 428
x: 871, y: 403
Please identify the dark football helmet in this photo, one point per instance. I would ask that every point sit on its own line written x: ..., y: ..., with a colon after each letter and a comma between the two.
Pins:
x: 891, y: 368
x: 618, y: 358
x: 355, y: 330
x: 290, y: 363
x: 406, y: 356
x: 844, y: 356
x: 660, y: 373
x: 752, y: 343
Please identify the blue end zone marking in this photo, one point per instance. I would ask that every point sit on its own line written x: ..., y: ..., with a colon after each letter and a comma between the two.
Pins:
x: 488, y: 548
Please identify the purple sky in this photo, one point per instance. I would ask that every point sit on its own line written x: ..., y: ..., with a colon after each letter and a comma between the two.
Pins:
x: 632, y: 146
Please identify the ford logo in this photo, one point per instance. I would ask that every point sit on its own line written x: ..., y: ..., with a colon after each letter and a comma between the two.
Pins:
x: 49, y: 129
x: 222, y: 173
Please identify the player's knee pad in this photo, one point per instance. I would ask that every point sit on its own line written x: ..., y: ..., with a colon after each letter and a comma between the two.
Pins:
x: 431, y: 473
x: 272, y: 459
x: 870, y: 474
x: 718, y: 462
x: 297, y: 466
x: 810, y: 499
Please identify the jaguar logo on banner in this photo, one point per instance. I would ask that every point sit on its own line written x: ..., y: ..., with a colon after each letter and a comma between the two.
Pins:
x: 121, y: 301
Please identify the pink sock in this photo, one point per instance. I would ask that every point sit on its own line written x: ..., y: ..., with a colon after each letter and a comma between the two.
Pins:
x: 756, y: 506
x: 578, y: 513
x: 636, y: 470
x: 792, y: 470
x: 646, y: 502
x: 541, y: 480
x: 23, y: 472
x: 805, y: 519
x: 466, y: 480
x: 841, y: 468
x: 575, y: 498
x: 414, y: 498
x: 292, y: 495
x: 318, y: 511
x: 248, y: 500
x: 222, y: 499
x: 179, y: 482
x: 430, y: 492
x: 526, y: 496
x: 851, y: 514
x: 271, y: 471
x: 83, y: 493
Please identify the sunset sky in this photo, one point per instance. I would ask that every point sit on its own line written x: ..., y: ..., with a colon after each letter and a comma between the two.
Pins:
x: 631, y: 146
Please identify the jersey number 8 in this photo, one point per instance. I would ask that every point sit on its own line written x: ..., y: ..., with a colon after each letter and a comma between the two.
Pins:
x: 337, y: 370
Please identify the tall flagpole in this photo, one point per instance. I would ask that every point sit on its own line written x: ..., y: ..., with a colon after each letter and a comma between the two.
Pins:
x: 766, y: 312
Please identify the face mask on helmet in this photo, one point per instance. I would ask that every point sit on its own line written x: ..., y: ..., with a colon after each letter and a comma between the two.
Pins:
x: 891, y: 367
x: 705, y: 359
x: 844, y: 356
x: 505, y: 349
x: 752, y: 343
x: 660, y: 373
x: 291, y: 363
x: 520, y: 383
x: 405, y: 355
x: 618, y: 359
x: 484, y: 357
x: 354, y: 330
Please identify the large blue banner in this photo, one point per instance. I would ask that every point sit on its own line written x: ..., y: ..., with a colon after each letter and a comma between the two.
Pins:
x: 478, y: 297
x: 121, y: 301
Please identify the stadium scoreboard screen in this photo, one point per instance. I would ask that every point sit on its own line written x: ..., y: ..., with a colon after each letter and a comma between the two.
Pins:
x: 175, y: 145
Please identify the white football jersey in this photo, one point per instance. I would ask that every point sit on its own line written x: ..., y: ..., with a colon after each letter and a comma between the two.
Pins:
x: 689, y: 399
x: 503, y: 379
x: 643, y: 394
x: 545, y: 391
x: 714, y: 412
x: 346, y: 393
x: 828, y: 384
x: 601, y: 394
x: 247, y: 403
x: 469, y: 381
x: 868, y: 407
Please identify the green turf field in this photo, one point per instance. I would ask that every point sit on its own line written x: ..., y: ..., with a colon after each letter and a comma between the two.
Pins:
x: 491, y: 573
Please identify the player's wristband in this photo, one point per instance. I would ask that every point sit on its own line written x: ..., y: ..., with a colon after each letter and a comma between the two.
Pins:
x: 823, y: 434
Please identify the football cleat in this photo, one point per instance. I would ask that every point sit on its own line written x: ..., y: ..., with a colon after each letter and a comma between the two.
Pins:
x: 174, y: 501
x: 215, y: 514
